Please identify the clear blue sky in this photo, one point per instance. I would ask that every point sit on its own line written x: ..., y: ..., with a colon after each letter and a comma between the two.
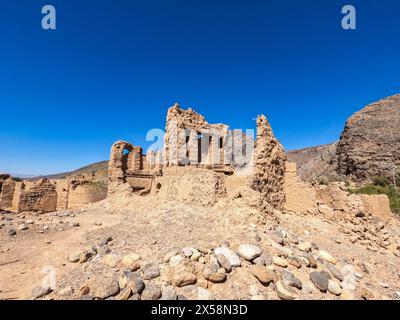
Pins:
x: 112, y: 68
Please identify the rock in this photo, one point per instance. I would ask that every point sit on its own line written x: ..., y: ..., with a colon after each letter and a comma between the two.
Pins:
x: 370, y: 141
x: 294, y: 261
x: 111, y: 260
x: 224, y: 262
x: 67, y: 291
x: 150, y: 271
x: 305, y: 246
x: 196, y: 256
x: 367, y: 294
x: 291, y: 280
x: 258, y: 297
x: 320, y: 280
x: 40, y: 291
x: 188, y: 252
x: 214, y: 274
x: 85, y: 256
x: 151, y: 292
x: 349, y: 278
x: 135, y: 297
x: 233, y: 258
x: 182, y: 279
x: 327, y: 257
x: 312, y: 261
x: 204, y: 294
x: 253, y: 290
x: 131, y: 261
x: 23, y: 226
x: 353, y: 239
x: 168, y: 293
x: 334, y: 272
x: 169, y: 255
x: 175, y: 260
x: 74, y: 257
x: 284, y: 292
x: 384, y: 285
x: 29, y: 222
x: 260, y: 260
x: 86, y: 298
x: 11, y: 232
x: 193, y: 292
x: 347, y: 295
x: 264, y: 275
x: 279, y: 261
x: 131, y: 280
x: 334, y: 288
x: 249, y: 252
x: 102, y: 287
x: 124, y: 294
x: 135, y: 283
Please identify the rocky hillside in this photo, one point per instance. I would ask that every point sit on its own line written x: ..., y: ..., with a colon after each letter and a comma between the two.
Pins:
x: 99, y: 169
x: 370, y: 143
x: 369, y: 146
x: 315, y: 163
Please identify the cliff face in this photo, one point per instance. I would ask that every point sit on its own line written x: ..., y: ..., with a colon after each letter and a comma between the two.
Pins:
x: 369, y: 146
x: 315, y: 163
x: 370, y: 143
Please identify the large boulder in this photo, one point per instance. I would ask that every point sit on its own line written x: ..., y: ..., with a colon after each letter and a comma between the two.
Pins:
x: 370, y: 143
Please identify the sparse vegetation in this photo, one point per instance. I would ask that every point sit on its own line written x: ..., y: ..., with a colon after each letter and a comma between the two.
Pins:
x: 381, y: 186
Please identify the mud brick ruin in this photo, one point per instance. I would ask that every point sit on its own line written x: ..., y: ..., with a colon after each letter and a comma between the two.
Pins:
x: 46, y: 195
x: 196, y: 157
x: 194, y: 166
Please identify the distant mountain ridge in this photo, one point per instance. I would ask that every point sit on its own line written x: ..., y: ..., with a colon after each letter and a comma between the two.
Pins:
x: 369, y: 146
x: 99, y: 169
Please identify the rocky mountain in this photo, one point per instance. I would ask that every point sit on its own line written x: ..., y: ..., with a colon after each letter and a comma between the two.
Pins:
x: 369, y: 146
x: 370, y: 143
x: 99, y: 169
x: 315, y: 163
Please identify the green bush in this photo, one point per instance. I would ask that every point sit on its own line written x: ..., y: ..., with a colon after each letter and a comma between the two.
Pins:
x: 381, y: 181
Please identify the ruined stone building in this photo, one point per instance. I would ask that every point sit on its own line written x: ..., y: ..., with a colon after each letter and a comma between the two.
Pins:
x: 195, y: 159
x: 195, y: 165
x: 46, y: 195
x: 191, y: 140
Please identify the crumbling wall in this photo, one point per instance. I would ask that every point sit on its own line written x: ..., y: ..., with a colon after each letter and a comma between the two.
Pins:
x: 300, y: 196
x: 62, y: 189
x: 129, y: 169
x: 190, y: 185
x: 84, y: 192
x: 38, y: 196
x: 268, y: 175
x: 7, y: 192
x: 191, y: 140
x: 118, y: 165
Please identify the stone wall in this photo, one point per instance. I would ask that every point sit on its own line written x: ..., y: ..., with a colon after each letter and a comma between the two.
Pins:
x: 300, y: 196
x: 129, y: 169
x: 37, y: 196
x: 7, y: 187
x: 191, y: 140
x: 268, y: 175
x: 49, y: 195
x: 190, y: 185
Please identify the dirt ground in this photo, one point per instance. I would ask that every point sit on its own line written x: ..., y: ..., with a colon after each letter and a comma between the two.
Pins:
x: 152, y: 230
